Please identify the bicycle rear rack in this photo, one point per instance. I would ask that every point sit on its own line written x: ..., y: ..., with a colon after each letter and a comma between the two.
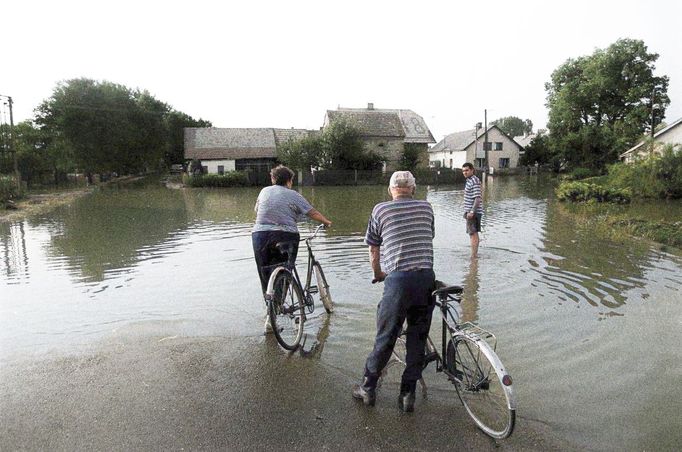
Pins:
x: 475, y: 332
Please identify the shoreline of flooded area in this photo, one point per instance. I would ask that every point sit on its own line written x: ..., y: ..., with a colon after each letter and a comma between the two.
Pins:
x: 93, y: 291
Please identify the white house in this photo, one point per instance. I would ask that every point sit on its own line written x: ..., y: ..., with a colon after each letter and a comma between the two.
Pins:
x: 671, y: 134
x: 466, y: 146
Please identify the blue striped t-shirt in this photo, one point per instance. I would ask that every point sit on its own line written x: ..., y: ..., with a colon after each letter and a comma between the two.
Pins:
x: 404, y: 229
x: 472, y: 190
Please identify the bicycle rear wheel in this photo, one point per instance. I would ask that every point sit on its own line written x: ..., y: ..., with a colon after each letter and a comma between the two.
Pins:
x: 286, y: 310
x: 482, y: 384
x: 323, y: 288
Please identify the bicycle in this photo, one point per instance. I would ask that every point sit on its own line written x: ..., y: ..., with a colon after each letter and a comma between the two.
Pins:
x: 469, y: 361
x: 288, y: 300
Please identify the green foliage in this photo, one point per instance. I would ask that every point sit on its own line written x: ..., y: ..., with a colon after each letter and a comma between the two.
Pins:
x: 654, y: 176
x: 411, y: 157
x: 586, y: 192
x: 514, y: 126
x: 599, y: 105
x: 229, y: 179
x: 175, y: 123
x: 580, y: 173
x: 344, y: 148
x: 8, y: 189
x: 108, y: 127
x: 302, y: 154
x: 537, y: 151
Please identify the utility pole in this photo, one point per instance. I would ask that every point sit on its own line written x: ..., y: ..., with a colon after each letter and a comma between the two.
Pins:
x: 653, y: 111
x: 13, y: 149
x: 485, y: 141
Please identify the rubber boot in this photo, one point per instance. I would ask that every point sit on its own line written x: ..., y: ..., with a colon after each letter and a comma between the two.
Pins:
x: 366, y: 391
x: 407, y: 397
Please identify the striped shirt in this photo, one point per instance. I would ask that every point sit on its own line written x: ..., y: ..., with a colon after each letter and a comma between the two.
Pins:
x: 472, y: 190
x: 404, y: 229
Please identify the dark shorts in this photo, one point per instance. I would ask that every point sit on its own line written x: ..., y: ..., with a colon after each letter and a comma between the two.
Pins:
x: 473, y: 225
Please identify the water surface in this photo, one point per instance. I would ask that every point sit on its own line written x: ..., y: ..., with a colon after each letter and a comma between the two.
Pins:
x: 590, y: 328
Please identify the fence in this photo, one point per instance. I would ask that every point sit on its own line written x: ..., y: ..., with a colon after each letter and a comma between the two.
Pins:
x: 443, y: 176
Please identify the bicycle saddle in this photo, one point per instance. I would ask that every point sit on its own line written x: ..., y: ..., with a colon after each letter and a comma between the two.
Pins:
x: 443, y: 289
x: 285, y: 247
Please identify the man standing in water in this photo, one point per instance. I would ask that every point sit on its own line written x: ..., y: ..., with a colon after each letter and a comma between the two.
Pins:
x: 473, y: 206
x: 400, y: 238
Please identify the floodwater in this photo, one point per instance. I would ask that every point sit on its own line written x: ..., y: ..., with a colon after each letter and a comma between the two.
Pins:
x: 589, y: 328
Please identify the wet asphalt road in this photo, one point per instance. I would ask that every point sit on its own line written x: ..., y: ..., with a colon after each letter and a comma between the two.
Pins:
x: 243, y: 393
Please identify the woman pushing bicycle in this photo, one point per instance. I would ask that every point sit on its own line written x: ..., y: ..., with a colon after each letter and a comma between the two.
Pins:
x: 401, y: 232
x: 278, y: 207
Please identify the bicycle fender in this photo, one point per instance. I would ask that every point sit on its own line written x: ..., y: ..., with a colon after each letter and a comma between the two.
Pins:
x: 497, y: 364
x: 270, y: 291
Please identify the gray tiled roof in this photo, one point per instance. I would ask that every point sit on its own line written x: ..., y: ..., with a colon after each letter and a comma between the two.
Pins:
x: 370, y: 123
x: 457, y: 141
x: 229, y: 144
x: 673, y: 125
x: 284, y: 135
x: 404, y: 124
x: 524, y: 140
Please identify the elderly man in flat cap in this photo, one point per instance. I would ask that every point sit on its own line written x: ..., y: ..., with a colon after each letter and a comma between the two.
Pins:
x: 400, y: 238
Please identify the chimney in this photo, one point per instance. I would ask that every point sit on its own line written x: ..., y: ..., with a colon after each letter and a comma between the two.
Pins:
x: 370, y: 106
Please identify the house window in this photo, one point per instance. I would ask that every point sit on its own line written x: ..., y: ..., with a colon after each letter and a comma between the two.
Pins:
x: 487, y: 146
x: 498, y: 146
x: 504, y: 163
x: 204, y: 169
x: 480, y: 163
x: 450, y: 163
x: 221, y: 169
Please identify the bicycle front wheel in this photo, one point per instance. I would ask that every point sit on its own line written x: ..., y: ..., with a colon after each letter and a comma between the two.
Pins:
x: 323, y: 288
x: 286, y: 310
x: 482, y: 384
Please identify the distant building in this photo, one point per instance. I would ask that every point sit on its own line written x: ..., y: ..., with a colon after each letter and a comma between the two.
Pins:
x: 386, y: 131
x: 466, y: 146
x: 671, y: 134
x: 230, y: 149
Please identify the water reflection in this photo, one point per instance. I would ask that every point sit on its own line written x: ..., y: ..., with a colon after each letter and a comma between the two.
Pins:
x: 470, y: 302
x: 312, y: 344
x: 562, y: 300
x: 14, y: 262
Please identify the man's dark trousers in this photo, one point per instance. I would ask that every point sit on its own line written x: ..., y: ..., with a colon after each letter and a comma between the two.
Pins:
x: 407, y: 296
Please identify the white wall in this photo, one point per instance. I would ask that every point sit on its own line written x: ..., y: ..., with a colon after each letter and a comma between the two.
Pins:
x: 212, y: 165
x: 452, y: 159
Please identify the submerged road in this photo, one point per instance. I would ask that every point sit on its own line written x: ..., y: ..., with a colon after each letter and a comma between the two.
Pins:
x: 141, y: 392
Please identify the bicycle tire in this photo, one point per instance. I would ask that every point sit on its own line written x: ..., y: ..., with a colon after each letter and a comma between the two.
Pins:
x: 286, y: 310
x: 323, y: 288
x: 480, y: 383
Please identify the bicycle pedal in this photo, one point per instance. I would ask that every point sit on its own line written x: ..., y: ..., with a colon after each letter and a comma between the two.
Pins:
x: 313, y: 289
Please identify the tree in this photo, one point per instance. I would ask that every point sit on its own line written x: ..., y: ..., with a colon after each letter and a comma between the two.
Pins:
x: 411, y: 156
x: 175, y: 123
x: 344, y: 148
x: 303, y: 153
x: 599, y: 105
x: 514, y: 126
x: 107, y: 127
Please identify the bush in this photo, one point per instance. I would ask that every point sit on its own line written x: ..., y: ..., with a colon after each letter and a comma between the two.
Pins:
x: 656, y: 176
x: 8, y: 189
x: 586, y: 192
x: 229, y: 179
x: 580, y: 173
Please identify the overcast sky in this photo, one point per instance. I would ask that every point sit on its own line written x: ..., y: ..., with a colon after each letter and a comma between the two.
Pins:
x: 283, y: 63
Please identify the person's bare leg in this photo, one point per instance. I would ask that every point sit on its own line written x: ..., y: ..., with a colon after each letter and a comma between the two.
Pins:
x: 474, y: 244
